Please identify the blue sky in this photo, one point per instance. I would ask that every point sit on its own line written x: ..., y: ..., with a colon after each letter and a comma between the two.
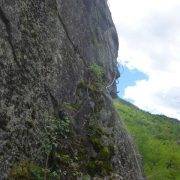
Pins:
x: 149, y: 48
x: 128, y: 78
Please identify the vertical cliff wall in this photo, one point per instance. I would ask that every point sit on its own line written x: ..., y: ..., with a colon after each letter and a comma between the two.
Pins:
x: 57, y: 71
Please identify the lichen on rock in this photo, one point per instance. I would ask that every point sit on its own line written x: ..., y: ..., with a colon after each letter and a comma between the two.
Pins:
x: 57, y: 118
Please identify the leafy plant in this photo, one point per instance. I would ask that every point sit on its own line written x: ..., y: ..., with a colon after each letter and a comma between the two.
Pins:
x: 97, y: 74
x: 96, y: 70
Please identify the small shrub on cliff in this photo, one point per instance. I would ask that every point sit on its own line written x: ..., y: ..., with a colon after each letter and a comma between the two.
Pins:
x: 97, y: 70
x: 97, y: 75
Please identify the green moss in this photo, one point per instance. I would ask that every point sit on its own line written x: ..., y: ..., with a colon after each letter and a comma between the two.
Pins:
x: 96, y: 143
x: 83, y: 85
x: 95, y: 81
x: 86, y: 177
x: 71, y: 106
x: 63, y: 128
x: 105, y: 153
x: 101, y: 164
x: 26, y: 170
x: 92, y: 89
x: 97, y: 76
x: 99, y: 167
x: 64, y: 158
x: 69, y: 164
x: 81, y: 155
x: 95, y: 133
x: 97, y: 70
x: 95, y: 129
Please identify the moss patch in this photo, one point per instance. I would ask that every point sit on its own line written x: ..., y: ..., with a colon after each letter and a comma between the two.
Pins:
x: 99, y: 165
x: 26, y: 170
x: 65, y: 151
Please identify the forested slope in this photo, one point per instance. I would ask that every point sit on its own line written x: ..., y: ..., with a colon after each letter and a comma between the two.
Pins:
x: 157, y: 138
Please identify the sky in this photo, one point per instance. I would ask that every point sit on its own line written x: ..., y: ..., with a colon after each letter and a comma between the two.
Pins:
x: 149, y: 52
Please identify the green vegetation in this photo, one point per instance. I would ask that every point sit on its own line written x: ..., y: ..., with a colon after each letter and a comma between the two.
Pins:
x: 25, y: 170
x: 65, y: 152
x: 97, y: 70
x: 52, y: 136
x: 97, y: 75
x: 157, y: 138
x: 101, y: 163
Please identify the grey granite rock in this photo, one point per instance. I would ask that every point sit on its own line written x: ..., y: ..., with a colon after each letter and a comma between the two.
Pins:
x: 46, y: 49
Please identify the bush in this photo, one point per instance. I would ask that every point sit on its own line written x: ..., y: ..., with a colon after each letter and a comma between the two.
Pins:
x: 97, y: 75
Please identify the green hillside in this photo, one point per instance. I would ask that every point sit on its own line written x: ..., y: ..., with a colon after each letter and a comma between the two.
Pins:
x: 157, y: 138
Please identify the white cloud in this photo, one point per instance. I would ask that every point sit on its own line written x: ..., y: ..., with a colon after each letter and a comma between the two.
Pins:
x: 149, y: 36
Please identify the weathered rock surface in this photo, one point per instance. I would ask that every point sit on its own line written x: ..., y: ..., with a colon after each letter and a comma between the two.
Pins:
x: 56, y: 115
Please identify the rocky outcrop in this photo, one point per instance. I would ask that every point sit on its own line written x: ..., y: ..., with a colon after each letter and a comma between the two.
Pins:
x: 57, y: 71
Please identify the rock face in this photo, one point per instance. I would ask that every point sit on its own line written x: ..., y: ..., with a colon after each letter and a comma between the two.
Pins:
x: 57, y: 71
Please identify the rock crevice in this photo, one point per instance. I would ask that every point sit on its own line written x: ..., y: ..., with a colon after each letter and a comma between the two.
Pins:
x: 9, y: 32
